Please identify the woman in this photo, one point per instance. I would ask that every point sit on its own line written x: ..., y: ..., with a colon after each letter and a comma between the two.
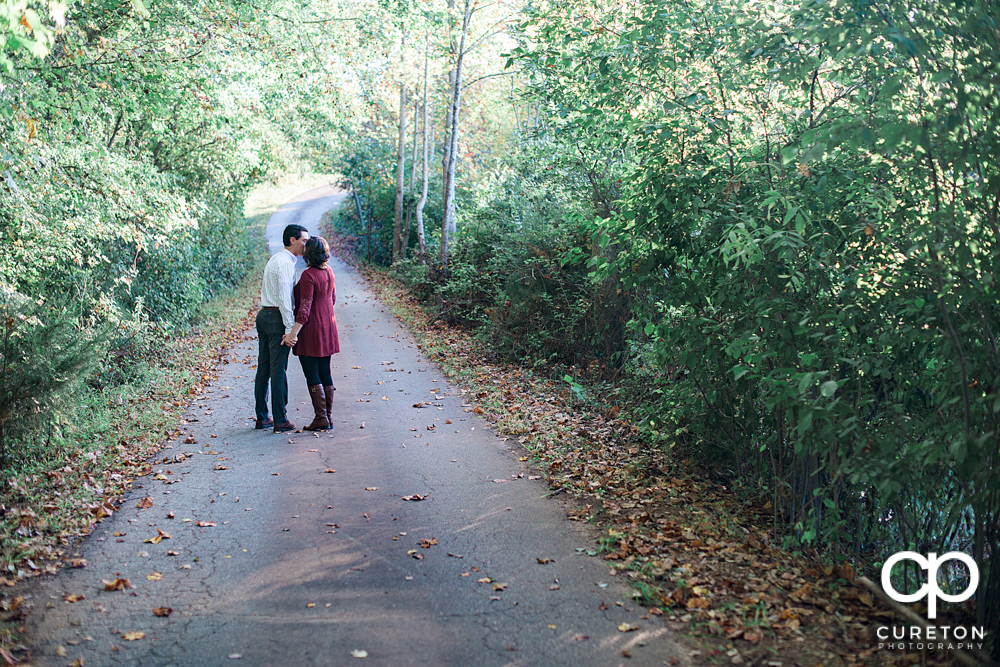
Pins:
x: 314, y: 336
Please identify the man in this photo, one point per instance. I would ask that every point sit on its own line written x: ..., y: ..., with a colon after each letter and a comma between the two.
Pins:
x: 274, y: 328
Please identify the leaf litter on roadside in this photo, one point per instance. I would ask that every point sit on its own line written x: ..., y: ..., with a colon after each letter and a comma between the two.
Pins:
x: 715, y: 569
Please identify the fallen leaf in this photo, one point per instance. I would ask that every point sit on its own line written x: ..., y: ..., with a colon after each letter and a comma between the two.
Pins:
x: 205, y: 524
x: 543, y: 561
x: 627, y: 627
x: 805, y: 591
x: 427, y: 544
x: 329, y: 470
x: 162, y: 612
x: 485, y: 580
x: 697, y: 603
x: 118, y: 584
x: 145, y: 503
x: 160, y: 535
x: 415, y: 496
x: 371, y: 488
x: 500, y: 587
x: 132, y: 636
x: 357, y: 653
x: 73, y: 598
x: 155, y: 576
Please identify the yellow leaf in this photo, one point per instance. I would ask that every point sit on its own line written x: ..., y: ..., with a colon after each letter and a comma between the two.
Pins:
x: 132, y: 636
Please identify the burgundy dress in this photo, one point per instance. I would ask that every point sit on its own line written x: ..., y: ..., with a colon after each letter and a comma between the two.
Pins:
x: 315, y: 294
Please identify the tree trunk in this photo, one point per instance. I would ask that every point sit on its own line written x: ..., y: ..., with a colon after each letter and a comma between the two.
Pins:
x: 423, y: 192
x: 448, y: 219
x: 413, y: 182
x: 397, y: 228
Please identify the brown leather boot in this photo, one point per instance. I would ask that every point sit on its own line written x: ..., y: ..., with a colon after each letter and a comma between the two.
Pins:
x: 319, y: 422
x: 328, y: 391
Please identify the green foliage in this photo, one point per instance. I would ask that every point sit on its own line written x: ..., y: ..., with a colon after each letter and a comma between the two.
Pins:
x: 126, y: 152
x: 43, y: 355
x: 518, y: 271
x: 369, y: 171
x: 809, y: 224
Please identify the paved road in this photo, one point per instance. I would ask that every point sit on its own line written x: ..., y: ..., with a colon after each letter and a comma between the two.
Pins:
x: 313, y: 556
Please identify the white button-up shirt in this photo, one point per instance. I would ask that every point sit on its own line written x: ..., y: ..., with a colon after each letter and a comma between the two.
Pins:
x: 279, y: 279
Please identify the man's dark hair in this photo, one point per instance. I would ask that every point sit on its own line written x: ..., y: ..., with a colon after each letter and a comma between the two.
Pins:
x: 316, y: 252
x: 291, y: 232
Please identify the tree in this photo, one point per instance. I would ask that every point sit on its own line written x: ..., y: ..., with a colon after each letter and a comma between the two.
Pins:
x: 398, y: 249
x: 451, y: 137
x: 421, y: 241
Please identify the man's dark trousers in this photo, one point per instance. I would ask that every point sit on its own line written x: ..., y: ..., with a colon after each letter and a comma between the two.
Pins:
x: 272, y: 362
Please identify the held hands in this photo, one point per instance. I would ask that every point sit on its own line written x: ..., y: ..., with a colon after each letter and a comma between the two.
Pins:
x: 289, y: 340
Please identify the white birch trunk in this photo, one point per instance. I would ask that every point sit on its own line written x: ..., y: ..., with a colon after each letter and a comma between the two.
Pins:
x: 397, y: 228
x: 421, y: 240
x: 448, y: 219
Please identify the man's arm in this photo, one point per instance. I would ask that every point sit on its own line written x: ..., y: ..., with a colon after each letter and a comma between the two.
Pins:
x: 287, y: 276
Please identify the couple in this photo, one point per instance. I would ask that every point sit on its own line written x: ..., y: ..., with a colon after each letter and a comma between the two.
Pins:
x: 289, y: 313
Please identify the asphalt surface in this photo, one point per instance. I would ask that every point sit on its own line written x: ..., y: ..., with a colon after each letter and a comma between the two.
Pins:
x: 308, y: 552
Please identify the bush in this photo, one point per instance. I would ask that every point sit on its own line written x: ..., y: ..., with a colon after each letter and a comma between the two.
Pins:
x: 43, y: 355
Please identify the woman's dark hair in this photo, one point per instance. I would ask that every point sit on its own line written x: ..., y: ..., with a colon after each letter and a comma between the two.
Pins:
x: 317, y: 252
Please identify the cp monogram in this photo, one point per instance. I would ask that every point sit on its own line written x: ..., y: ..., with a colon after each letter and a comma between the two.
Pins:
x: 931, y: 588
